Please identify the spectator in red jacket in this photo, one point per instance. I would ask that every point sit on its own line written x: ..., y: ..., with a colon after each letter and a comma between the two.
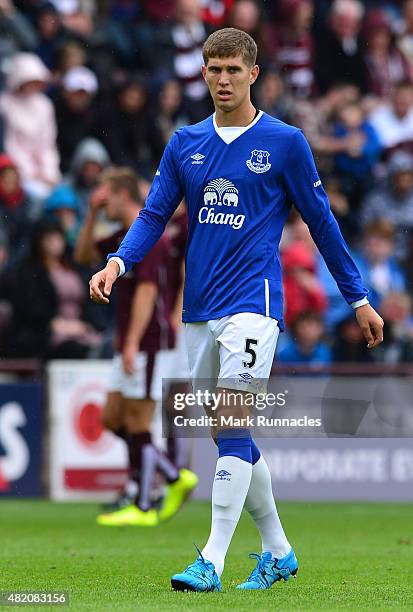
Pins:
x: 302, y: 289
x: 16, y: 212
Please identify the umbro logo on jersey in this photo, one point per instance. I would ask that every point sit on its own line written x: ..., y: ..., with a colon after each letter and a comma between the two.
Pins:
x: 258, y: 162
x: 317, y: 183
x: 197, y: 157
x: 223, y: 475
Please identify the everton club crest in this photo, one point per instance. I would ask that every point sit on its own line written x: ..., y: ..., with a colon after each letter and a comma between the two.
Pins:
x: 258, y: 161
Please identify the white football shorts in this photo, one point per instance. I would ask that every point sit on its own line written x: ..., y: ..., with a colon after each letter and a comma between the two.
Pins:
x: 233, y: 352
x: 177, y: 367
x: 144, y: 383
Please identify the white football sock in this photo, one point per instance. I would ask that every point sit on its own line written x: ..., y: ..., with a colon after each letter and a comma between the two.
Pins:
x: 231, y: 484
x: 261, y: 506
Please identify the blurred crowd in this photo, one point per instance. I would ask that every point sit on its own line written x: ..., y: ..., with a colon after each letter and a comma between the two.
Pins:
x: 85, y: 85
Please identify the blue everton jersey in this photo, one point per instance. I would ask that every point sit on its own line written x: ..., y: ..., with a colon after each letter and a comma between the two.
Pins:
x: 238, y: 197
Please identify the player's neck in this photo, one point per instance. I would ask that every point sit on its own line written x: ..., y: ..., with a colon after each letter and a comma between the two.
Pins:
x: 239, y: 117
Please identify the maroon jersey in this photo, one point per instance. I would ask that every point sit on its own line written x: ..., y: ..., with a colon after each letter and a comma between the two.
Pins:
x: 294, y: 52
x: 159, y: 333
x: 177, y: 232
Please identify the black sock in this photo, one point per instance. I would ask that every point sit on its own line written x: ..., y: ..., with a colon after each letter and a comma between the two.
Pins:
x: 135, y: 444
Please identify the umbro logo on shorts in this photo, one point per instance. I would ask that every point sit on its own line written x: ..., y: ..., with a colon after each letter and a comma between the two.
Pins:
x: 246, y: 377
x: 223, y: 475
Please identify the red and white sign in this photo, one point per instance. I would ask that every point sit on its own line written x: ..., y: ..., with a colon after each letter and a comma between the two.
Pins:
x: 86, y: 461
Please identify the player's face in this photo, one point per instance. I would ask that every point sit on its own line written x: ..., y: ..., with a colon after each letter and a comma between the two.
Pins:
x: 229, y: 80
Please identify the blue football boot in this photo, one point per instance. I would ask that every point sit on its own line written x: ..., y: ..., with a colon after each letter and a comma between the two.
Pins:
x: 200, y: 576
x: 269, y: 570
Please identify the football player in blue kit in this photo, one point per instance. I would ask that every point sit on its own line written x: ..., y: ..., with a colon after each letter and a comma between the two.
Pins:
x: 239, y: 171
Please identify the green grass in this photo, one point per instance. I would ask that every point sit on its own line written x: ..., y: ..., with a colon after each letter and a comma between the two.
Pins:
x: 352, y: 556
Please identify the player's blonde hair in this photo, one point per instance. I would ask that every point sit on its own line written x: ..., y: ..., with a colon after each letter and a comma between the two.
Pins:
x: 230, y: 42
x: 122, y: 177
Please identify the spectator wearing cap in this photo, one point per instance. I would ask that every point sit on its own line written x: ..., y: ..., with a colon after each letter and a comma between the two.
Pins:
x: 76, y: 111
x: 30, y: 124
x: 16, y: 211
x: 376, y: 261
x: 394, y: 200
x: 339, y: 51
x: 393, y: 119
x: 62, y: 205
x: 88, y: 161
x: 386, y: 65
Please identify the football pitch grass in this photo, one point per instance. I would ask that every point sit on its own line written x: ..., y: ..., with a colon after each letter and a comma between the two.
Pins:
x: 354, y: 556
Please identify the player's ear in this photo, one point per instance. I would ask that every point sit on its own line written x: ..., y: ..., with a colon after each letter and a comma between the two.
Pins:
x: 255, y: 70
x: 203, y: 71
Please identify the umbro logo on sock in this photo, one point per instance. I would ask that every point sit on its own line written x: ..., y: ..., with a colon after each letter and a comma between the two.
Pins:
x: 223, y: 475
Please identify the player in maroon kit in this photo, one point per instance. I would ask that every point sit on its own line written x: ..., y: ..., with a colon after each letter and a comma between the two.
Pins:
x: 143, y: 328
x: 178, y: 371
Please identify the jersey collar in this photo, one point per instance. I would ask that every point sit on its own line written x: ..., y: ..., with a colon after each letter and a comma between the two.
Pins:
x: 231, y: 133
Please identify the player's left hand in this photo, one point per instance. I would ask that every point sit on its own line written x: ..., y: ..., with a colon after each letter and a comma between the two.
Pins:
x: 371, y: 325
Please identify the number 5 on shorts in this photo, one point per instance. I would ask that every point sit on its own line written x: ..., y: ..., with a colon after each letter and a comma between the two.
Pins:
x: 249, y: 344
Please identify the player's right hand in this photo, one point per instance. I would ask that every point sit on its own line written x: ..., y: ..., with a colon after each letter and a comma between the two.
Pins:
x: 101, y: 283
